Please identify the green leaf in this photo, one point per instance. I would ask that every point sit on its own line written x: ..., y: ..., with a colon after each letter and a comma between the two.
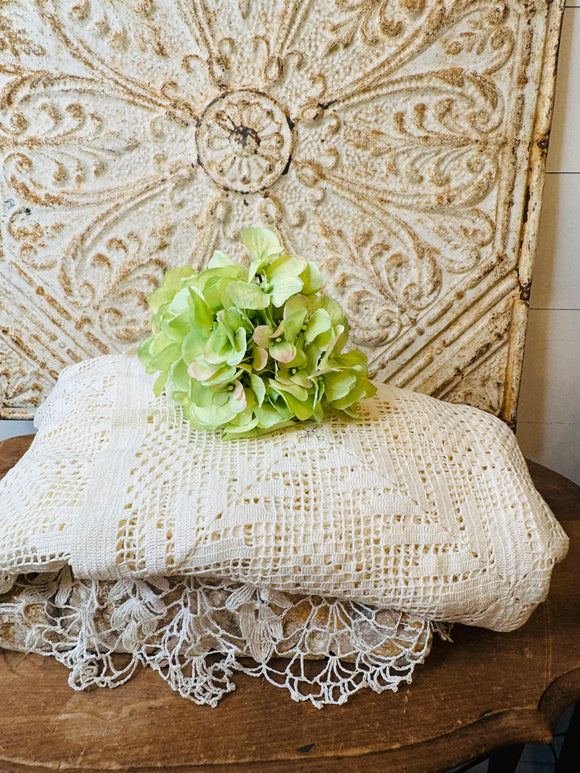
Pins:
x: 301, y: 360
x: 270, y: 415
x: 226, y: 346
x: 219, y: 345
x: 286, y: 265
x: 174, y: 277
x: 283, y: 275
x: 302, y: 409
x: 356, y: 394
x: 224, y: 375
x: 213, y: 416
x: 333, y: 308
x: 288, y: 389
x: 202, y: 371
x: 180, y: 303
x: 239, y: 347
x: 234, y: 318
x: 220, y: 400
x: 158, y: 298
x: 296, y: 303
x: 294, y: 376
x: 160, y: 342
x: 355, y: 359
x: 172, y: 283
x: 215, y: 291
x: 242, y: 429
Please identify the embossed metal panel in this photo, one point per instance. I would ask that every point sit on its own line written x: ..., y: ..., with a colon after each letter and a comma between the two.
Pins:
x: 398, y: 142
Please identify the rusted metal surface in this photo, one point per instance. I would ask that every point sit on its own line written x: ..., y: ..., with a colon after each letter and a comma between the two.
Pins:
x: 400, y: 143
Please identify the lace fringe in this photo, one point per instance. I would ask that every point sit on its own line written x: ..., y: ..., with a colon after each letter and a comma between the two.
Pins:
x: 198, y: 633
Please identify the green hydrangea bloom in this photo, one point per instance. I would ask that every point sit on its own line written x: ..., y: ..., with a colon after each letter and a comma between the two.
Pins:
x: 251, y: 350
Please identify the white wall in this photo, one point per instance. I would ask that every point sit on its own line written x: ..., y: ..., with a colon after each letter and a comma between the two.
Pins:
x: 13, y: 428
x: 549, y: 408
x: 549, y: 414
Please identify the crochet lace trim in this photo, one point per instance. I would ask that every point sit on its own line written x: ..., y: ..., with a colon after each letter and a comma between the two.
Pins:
x: 198, y: 633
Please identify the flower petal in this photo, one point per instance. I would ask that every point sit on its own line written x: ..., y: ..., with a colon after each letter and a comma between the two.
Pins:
x: 283, y: 352
x: 261, y: 242
x: 260, y: 358
x: 284, y: 287
x: 319, y: 322
x: 312, y: 279
x: 171, y: 285
x: 238, y: 393
x: 292, y: 324
x: 259, y: 388
x: 219, y: 260
x: 263, y: 336
x: 247, y: 295
x: 201, y: 371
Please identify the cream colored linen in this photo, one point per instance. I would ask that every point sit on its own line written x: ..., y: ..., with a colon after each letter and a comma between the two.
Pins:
x: 419, y: 505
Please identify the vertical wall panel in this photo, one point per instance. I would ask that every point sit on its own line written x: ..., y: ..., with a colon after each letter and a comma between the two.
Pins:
x: 549, y: 409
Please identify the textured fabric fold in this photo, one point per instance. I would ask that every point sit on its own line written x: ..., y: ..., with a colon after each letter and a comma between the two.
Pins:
x: 94, y: 531
x: 418, y: 505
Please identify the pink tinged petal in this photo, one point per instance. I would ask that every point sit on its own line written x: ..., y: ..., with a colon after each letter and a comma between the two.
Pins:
x: 239, y: 390
x: 239, y: 395
x: 283, y: 352
x: 200, y: 372
x: 262, y: 336
x: 260, y: 358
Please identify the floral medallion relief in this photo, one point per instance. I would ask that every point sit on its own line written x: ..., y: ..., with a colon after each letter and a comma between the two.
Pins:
x: 379, y: 137
x: 244, y: 141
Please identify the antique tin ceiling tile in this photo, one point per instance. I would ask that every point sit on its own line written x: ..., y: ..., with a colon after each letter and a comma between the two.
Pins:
x: 400, y: 143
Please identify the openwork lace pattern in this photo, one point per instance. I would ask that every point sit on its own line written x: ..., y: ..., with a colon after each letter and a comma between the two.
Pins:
x: 419, y: 506
x: 197, y: 634
x: 50, y: 481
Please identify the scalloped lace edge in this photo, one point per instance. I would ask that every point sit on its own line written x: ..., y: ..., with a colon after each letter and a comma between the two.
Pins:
x: 198, y: 633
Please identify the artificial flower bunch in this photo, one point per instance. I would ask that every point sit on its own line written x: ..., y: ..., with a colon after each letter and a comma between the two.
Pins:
x: 251, y: 350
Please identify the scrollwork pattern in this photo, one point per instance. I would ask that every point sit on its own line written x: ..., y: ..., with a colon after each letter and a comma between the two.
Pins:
x: 370, y: 133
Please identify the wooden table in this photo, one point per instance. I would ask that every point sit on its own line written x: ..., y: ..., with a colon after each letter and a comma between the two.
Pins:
x: 484, y: 691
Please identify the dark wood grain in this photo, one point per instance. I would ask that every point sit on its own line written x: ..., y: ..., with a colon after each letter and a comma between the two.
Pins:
x: 11, y: 450
x: 483, y: 691
x: 561, y: 494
